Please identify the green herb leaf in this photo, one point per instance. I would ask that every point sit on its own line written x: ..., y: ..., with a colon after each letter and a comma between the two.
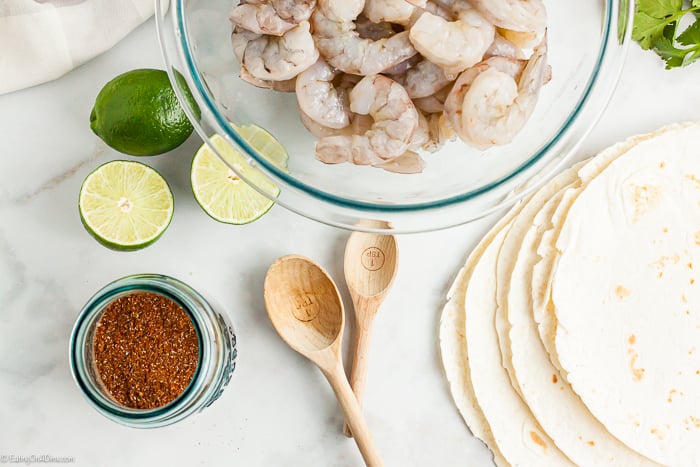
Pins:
x: 656, y: 27
x: 660, y: 8
x: 690, y: 36
x: 647, y: 29
x: 672, y: 55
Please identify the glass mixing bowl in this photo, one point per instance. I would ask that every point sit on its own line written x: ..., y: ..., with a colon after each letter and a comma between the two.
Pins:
x: 588, y: 41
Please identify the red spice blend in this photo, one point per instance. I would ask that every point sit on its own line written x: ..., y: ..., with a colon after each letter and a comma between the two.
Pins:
x: 145, y: 350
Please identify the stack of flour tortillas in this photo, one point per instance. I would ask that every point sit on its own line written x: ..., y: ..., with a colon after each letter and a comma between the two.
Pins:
x: 572, y: 334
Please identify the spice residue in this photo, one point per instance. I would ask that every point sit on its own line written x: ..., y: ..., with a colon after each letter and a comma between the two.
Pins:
x: 145, y: 350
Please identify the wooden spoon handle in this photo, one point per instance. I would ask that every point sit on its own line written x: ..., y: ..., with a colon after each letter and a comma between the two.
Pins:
x: 353, y: 415
x: 358, y: 374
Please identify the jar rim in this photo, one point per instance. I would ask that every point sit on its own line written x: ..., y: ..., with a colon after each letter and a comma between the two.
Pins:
x: 185, y: 297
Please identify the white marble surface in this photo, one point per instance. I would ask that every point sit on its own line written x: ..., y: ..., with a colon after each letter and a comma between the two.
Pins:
x: 278, y: 410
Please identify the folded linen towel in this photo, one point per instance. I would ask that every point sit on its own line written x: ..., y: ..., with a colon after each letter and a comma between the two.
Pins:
x: 41, y: 40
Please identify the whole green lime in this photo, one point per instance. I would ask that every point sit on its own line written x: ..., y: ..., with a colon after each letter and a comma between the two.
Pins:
x: 138, y: 113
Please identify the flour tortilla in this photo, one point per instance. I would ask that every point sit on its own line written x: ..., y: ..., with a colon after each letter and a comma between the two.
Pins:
x: 453, y: 346
x: 560, y: 412
x: 518, y: 436
x: 509, y: 249
x: 453, y: 350
x: 629, y: 339
x: 542, y: 309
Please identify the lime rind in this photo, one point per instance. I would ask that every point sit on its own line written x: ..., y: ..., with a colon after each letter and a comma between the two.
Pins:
x: 221, y: 193
x: 125, y: 205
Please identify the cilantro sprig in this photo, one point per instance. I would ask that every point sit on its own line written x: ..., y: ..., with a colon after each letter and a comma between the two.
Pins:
x: 656, y: 24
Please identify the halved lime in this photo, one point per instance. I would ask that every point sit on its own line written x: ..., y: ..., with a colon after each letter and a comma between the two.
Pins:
x: 221, y: 193
x: 266, y: 144
x: 125, y: 205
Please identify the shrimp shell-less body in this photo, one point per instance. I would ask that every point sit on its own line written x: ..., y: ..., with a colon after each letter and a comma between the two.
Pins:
x: 294, y: 11
x: 391, y: 11
x: 495, y: 109
x: 502, y: 47
x: 455, y: 99
x: 342, y: 46
x: 435, y: 103
x: 424, y: 79
x: 453, y: 45
x: 515, y: 15
x: 279, y: 86
x: 395, y: 122
x: 279, y: 58
x: 260, y: 18
x: 319, y: 99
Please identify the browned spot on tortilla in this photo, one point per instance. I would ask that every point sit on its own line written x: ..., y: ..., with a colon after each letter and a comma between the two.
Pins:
x: 645, y: 198
x: 637, y: 373
x: 537, y: 440
x: 694, y: 421
x: 632, y: 339
x: 684, y: 298
x: 661, y: 274
x: 663, y: 260
x: 662, y: 165
x: 690, y: 265
x: 693, y: 178
x: 692, y: 281
x: 554, y: 379
x: 670, y: 395
x: 665, y: 229
x: 658, y: 433
x: 591, y: 443
x: 622, y: 292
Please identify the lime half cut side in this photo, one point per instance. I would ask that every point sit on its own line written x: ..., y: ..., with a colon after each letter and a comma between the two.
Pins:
x: 219, y: 190
x: 266, y: 144
x: 125, y: 205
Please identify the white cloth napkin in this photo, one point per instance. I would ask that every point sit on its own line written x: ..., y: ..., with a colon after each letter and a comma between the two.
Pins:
x: 40, y: 40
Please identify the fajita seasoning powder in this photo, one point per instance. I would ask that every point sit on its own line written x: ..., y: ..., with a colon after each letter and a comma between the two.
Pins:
x: 146, y: 350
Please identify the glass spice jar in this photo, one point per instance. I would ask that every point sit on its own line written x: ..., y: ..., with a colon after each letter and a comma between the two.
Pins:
x: 217, y: 352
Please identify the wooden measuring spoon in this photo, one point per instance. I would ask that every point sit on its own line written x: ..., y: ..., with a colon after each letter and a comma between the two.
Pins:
x: 305, y: 308
x: 371, y: 262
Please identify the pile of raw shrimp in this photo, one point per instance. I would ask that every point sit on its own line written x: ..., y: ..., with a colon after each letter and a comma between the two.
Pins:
x: 379, y: 80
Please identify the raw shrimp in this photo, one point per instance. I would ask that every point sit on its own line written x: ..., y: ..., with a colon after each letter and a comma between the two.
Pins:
x: 502, y: 47
x: 495, y: 110
x: 455, y: 98
x: 278, y: 58
x: 359, y: 124
x: 319, y: 99
x: 294, y: 11
x: 395, y: 122
x: 239, y: 40
x: 497, y: 104
x: 453, y: 45
x: 424, y: 79
x: 371, y: 30
x: 400, y: 69
x: 435, y: 103
x: 342, y: 47
x: 515, y: 15
x: 408, y: 163
x: 391, y: 11
x: 260, y: 18
x: 279, y: 86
